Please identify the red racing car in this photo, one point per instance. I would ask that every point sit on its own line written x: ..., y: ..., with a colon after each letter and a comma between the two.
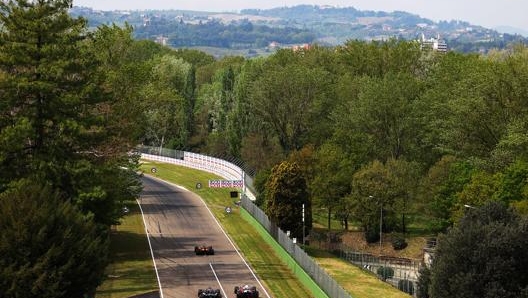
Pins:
x: 246, y: 292
x: 203, y: 250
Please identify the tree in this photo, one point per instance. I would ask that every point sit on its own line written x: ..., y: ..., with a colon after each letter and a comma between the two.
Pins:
x: 331, y: 181
x: 125, y: 67
x: 439, y: 189
x: 48, y: 97
x: 372, y: 191
x: 286, y: 192
x: 514, y: 183
x: 424, y: 280
x: 49, y: 249
x: 166, y: 107
x: 480, y: 189
x: 381, y: 118
x: 58, y: 121
x: 287, y: 100
x: 484, y: 255
x: 403, y: 176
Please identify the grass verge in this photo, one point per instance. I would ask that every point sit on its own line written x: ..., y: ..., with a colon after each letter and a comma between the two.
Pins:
x: 357, y: 282
x: 131, y: 271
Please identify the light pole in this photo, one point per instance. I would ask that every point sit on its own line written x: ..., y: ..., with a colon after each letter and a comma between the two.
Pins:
x: 303, y: 225
x: 381, y: 221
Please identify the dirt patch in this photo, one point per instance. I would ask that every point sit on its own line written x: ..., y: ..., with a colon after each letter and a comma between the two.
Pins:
x: 355, y: 240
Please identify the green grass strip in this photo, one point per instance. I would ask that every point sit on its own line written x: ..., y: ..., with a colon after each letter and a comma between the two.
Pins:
x: 299, y: 272
x: 131, y: 271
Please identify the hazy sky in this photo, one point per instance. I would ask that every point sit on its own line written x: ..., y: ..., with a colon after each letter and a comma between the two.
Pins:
x: 487, y: 13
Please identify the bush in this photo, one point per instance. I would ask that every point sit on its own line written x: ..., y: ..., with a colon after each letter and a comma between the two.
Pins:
x: 399, y: 243
x: 406, y: 286
x: 372, y: 235
x: 385, y: 272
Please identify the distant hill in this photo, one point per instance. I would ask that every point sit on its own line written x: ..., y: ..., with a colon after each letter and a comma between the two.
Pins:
x: 254, y: 31
x: 512, y: 30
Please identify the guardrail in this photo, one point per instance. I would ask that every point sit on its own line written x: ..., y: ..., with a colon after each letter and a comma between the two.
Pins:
x: 230, y: 171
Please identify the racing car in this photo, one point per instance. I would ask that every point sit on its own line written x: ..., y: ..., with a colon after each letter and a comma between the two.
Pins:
x: 203, y: 250
x: 209, y: 293
x: 246, y: 292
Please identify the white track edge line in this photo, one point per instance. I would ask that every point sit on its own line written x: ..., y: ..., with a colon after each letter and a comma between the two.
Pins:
x: 218, y: 280
x: 238, y: 252
x: 150, y: 247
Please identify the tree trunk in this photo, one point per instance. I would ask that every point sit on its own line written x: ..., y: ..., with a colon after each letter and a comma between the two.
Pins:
x: 329, y: 219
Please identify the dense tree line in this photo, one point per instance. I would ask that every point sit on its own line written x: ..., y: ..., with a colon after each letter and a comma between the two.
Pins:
x: 213, y: 33
x: 345, y: 130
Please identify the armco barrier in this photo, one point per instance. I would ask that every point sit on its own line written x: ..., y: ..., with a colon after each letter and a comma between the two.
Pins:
x: 233, y: 172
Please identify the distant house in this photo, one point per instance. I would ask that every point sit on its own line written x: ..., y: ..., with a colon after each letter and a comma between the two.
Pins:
x: 273, y: 45
x: 434, y: 44
x: 304, y: 46
x: 162, y: 40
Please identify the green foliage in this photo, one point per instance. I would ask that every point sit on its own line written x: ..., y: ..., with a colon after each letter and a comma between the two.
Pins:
x: 286, y: 100
x: 385, y: 272
x: 259, y: 182
x: 399, y: 243
x: 214, y: 33
x: 480, y: 189
x: 49, y: 249
x: 406, y: 286
x: 485, y: 255
x: 440, y: 187
x: 331, y: 181
x: 377, y: 187
x: 44, y: 83
x: 286, y: 192
x: 424, y: 280
x: 372, y: 234
x: 168, y: 102
x: 514, y: 182
x: 64, y: 125
x: 384, y: 117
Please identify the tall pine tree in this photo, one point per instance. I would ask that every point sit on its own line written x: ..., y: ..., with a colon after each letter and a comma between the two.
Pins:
x: 54, y: 113
x: 48, y: 249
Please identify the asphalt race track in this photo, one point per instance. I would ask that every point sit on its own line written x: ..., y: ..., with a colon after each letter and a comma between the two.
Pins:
x: 177, y: 220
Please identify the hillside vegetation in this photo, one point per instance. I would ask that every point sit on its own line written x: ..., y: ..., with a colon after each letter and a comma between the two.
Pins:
x: 256, y: 30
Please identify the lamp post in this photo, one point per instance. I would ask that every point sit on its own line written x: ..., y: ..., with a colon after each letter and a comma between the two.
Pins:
x: 381, y: 221
x: 304, y: 243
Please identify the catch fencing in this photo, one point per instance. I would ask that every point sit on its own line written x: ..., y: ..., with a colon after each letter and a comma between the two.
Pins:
x: 232, y: 171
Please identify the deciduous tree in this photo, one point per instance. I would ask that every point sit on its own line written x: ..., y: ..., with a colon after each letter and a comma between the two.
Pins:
x: 286, y: 192
x: 485, y: 255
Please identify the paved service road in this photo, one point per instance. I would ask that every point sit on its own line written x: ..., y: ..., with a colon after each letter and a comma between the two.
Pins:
x: 177, y: 220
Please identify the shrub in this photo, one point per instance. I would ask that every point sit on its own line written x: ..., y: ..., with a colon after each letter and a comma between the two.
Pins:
x: 406, y: 286
x: 371, y: 235
x: 385, y: 272
x: 399, y: 243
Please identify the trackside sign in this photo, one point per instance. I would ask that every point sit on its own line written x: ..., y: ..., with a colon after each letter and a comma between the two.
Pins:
x: 226, y: 183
